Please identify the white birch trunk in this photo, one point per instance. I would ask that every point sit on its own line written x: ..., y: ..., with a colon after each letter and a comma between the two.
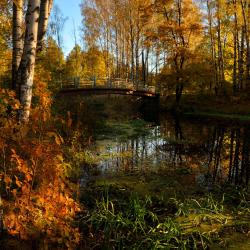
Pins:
x: 46, y: 6
x: 17, y: 40
x: 28, y: 58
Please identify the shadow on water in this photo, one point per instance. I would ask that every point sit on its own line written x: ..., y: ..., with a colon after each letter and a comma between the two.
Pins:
x: 149, y: 109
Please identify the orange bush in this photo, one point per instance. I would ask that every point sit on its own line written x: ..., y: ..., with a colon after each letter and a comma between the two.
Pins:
x: 36, y: 197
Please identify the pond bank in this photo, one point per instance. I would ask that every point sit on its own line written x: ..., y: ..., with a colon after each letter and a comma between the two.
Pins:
x: 218, y: 107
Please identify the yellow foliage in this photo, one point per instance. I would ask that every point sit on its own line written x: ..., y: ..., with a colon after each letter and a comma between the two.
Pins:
x: 85, y: 64
x: 5, y: 34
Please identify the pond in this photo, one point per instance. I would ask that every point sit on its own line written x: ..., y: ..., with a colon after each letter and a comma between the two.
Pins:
x: 209, y: 152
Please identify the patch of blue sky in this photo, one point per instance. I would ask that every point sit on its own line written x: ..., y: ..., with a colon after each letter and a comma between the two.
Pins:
x: 71, y: 10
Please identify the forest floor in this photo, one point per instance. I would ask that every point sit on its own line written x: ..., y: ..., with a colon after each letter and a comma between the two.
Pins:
x: 211, y: 106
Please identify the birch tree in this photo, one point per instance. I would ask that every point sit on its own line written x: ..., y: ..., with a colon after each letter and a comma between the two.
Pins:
x: 5, y: 38
x: 45, y: 9
x: 36, y: 21
x: 17, y: 37
x: 29, y: 57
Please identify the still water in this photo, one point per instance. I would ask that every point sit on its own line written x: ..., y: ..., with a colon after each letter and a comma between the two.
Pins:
x: 210, y: 151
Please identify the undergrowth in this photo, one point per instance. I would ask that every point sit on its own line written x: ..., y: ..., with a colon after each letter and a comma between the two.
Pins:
x: 37, y: 202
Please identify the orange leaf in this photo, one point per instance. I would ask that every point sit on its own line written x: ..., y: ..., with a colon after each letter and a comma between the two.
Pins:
x: 18, y: 183
x: 7, y: 180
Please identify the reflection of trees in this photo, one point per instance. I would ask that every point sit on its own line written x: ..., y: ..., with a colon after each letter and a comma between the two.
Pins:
x: 216, y: 151
x: 245, y: 157
x: 178, y: 148
x: 226, y: 150
x: 221, y: 150
x: 229, y: 154
x: 239, y: 156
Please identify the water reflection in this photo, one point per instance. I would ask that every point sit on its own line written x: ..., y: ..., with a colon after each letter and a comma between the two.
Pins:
x: 213, y: 152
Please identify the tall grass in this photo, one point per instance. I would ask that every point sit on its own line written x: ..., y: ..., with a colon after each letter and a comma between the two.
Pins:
x: 119, y: 218
x: 132, y: 224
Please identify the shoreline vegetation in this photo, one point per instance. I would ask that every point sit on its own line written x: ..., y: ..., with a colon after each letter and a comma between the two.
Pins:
x: 234, y: 108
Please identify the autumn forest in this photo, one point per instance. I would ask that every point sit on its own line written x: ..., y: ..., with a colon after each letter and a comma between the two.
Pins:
x: 138, y: 137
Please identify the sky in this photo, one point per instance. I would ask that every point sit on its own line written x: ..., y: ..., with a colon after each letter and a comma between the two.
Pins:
x: 71, y: 10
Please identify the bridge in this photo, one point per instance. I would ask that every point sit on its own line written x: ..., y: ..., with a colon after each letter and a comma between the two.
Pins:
x: 104, y: 86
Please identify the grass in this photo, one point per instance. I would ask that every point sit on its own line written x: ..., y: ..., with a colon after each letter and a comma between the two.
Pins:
x: 119, y: 217
x: 134, y: 225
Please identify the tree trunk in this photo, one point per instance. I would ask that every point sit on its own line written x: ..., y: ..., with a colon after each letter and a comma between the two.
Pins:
x: 179, y: 90
x: 107, y: 53
x: 213, y: 49
x: 45, y: 9
x: 179, y: 83
x: 241, y: 59
x: 245, y: 13
x: 123, y: 61
x: 27, y: 64
x: 137, y: 44
x: 147, y: 65
x: 137, y: 65
x: 17, y: 40
x: 156, y: 61
x: 220, y: 53
x: 143, y: 67
x: 236, y: 41
x: 117, y: 52
x: 132, y: 52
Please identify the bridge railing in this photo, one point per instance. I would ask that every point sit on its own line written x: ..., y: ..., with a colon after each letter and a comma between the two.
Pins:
x: 105, y: 83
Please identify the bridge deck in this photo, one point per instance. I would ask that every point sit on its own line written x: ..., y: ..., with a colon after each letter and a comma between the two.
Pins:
x: 108, y: 91
x: 104, y: 86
